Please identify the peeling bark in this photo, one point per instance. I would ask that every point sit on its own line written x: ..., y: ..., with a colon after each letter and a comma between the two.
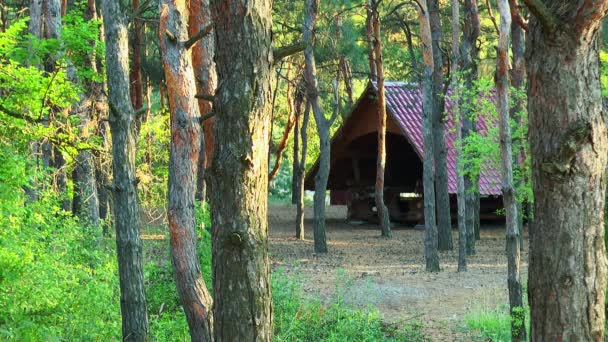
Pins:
x: 183, y: 164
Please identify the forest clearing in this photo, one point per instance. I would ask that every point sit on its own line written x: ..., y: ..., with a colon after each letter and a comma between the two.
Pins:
x: 310, y: 170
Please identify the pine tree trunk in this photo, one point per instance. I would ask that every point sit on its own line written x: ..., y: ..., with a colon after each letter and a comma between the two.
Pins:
x: 86, y: 201
x: 239, y: 180
x: 126, y: 209
x: 518, y: 74
x: 312, y: 92
x: 369, y: 34
x: 301, y: 174
x: 136, y: 86
x: 462, y: 228
x: 428, y: 177
x: 383, y: 214
x: 569, y: 148
x: 183, y: 164
x: 206, y: 77
x: 468, y: 66
x: 518, y: 327
x: 289, y: 125
x: 444, y: 220
x: 296, y: 150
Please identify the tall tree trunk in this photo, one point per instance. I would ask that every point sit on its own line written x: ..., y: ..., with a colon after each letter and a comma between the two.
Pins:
x: 205, y: 75
x: 301, y: 171
x: 312, y: 93
x: 518, y: 74
x: 428, y: 176
x: 296, y: 151
x: 126, y: 209
x: 569, y: 148
x: 369, y: 34
x: 518, y: 326
x: 444, y: 220
x: 239, y: 182
x: 136, y: 86
x: 383, y: 215
x: 468, y: 66
x: 183, y: 164
x: 462, y: 228
x: 86, y: 200
x: 289, y: 125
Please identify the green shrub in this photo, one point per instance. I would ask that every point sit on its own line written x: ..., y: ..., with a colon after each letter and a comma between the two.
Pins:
x: 493, y: 324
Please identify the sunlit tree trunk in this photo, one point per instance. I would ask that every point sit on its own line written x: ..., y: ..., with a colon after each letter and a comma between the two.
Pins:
x: 569, y: 148
x: 518, y: 327
x: 86, y: 201
x: 183, y: 164
x: 468, y: 66
x: 126, y: 209
x: 456, y: 114
x: 383, y: 215
x: 323, y: 125
x: 206, y: 79
x: 444, y: 220
x: 302, y: 167
x: 431, y: 255
x: 239, y: 181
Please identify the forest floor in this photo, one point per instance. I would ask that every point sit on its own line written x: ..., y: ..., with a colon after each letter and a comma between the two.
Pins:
x: 389, y: 273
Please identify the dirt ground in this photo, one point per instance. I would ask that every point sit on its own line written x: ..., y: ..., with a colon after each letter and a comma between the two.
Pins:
x: 389, y: 273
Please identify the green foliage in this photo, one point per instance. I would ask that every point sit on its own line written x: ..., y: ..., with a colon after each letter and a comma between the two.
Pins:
x: 604, y: 72
x: 481, y: 151
x: 494, y: 324
x: 56, y: 281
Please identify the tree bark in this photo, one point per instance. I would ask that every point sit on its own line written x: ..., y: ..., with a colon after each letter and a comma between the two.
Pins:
x: 518, y: 74
x: 301, y: 173
x: 136, y: 88
x: 428, y: 177
x: 569, y: 148
x: 296, y: 151
x: 369, y: 34
x: 312, y: 93
x: 183, y: 164
x: 462, y: 228
x: 518, y: 326
x: 383, y: 215
x: 468, y: 66
x: 444, y: 221
x: 86, y: 201
x: 126, y: 209
x: 239, y: 182
x: 289, y: 125
x: 206, y: 79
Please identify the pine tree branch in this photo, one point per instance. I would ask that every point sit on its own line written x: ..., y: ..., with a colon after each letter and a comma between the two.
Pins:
x: 543, y: 14
x: 198, y: 36
x: 16, y: 115
x: 206, y: 97
x: 285, y: 51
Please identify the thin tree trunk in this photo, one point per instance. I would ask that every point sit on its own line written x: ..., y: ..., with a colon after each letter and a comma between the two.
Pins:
x: 518, y: 326
x: 369, y: 34
x: 289, y: 125
x: 86, y: 201
x: 383, y: 214
x: 205, y: 75
x: 183, y: 164
x: 136, y: 87
x: 312, y: 92
x: 301, y: 172
x: 348, y: 79
x: 462, y: 228
x: 126, y: 209
x: 444, y: 221
x: 569, y: 148
x: 239, y: 182
x: 518, y: 74
x: 296, y: 151
x: 428, y: 177
x: 468, y: 57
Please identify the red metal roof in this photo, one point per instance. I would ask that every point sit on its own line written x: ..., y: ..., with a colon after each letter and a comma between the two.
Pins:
x: 404, y: 105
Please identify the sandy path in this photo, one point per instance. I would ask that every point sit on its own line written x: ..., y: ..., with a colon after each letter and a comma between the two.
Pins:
x: 389, y: 273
